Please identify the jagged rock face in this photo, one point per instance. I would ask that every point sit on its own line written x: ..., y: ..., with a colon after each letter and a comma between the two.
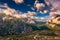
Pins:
x: 55, y: 23
x: 56, y: 19
x: 12, y: 25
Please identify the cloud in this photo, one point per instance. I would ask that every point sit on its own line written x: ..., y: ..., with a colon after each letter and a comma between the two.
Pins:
x: 18, y: 1
x: 54, y: 4
x: 45, y: 11
x: 52, y: 13
x: 25, y: 15
x: 38, y: 5
x: 10, y: 11
x: 7, y: 10
x: 15, y: 13
x: 55, y: 13
x: 39, y: 19
x: 32, y: 8
x: 4, y: 6
x: 55, y: 8
x: 47, y: 2
x: 20, y: 15
x: 31, y: 13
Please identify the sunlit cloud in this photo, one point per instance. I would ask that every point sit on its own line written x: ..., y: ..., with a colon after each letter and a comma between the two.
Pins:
x: 52, y: 13
x: 18, y: 1
x: 31, y: 13
x: 15, y: 13
x: 38, y: 5
x: 20, y: 15
x: 8, y: 10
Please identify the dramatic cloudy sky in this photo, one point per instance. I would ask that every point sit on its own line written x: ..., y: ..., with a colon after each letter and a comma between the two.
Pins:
x: 41, y: 7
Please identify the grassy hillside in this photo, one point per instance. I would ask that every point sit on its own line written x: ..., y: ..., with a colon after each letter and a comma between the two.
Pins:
x: 36, y: 35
